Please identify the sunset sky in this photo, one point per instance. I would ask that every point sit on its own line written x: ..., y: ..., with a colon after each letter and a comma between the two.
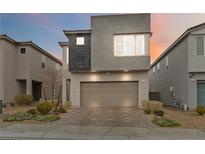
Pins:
x: 46, y: 29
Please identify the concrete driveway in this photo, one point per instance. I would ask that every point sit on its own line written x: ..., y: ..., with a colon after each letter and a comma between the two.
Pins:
x: 120, y: 117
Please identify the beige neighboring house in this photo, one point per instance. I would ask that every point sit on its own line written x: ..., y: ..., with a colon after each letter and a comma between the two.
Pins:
x: 108, y: 65
x: 24, y: 68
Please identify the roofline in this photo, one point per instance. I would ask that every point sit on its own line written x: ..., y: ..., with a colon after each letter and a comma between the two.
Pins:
x: 119, y: 14
x: 82, y: 31
x: 176, y: 42
x: 62, y: 44
x: 4, y: 36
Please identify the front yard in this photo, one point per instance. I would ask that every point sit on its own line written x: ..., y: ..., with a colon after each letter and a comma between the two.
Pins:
x: 189, y: 119
x: 130, y: 117
x: 19, y: 111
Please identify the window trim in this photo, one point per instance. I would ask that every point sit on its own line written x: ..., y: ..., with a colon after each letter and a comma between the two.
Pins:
x: 76, y: 41
x: 43, y: 65
x: 158, y: 67
x: 43, y: 60
x: 203, y: 43
x: 136, y: 55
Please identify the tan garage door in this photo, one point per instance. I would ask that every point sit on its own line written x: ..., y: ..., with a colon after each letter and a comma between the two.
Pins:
x: 109, y: 94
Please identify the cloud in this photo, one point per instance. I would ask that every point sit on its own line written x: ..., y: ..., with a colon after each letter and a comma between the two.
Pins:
x: 167, y: 28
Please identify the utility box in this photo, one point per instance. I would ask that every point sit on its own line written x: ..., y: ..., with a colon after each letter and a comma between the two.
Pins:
x: 1, y: 106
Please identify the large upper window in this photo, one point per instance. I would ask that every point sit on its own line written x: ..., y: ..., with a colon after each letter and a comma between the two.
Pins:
x: 129, y: 45
x: 200, y: 46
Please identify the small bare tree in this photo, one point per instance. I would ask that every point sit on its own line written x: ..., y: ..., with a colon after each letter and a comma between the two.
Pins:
x: 54, y: 81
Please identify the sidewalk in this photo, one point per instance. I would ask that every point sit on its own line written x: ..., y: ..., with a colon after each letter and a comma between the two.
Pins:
x: 53, y: 131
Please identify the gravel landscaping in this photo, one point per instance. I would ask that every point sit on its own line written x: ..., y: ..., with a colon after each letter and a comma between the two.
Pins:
x: 188, y: 119
x: 123, y: 117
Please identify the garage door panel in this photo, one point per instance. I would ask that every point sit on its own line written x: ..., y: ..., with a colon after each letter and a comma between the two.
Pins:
x: 201, y: 94
x: 107, y: 94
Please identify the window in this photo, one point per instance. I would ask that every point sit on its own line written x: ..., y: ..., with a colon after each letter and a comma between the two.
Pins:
x: 43, y: 62
x: 22, y: 51
x: 167, y: 62
x: 154, y: 69
x: 129, y: 45
x: 43, y: 65
x: 67, y: 58
x: 80, y: 41
x: 158, y: 67
x: 200, y: 46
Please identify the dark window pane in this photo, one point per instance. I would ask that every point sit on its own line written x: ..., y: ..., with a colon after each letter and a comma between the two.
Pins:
x: 23, y: 50
x: 200, y: 45
x: 43, y: 65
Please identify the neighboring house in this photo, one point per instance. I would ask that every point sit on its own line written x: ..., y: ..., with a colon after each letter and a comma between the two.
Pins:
x: 24, y: 69
x: 108, y: 65
x: 179, y: 73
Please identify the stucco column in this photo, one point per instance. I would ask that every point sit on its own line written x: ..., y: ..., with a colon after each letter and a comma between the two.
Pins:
x: 29, y: 87
x: 75, y: 91
x: 192, y: 94
x: 65, y: 70
x: 143, y: 91
x: 2, y: 73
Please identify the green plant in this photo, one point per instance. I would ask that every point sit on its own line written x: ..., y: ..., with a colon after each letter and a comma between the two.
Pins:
x: 47, y: 118
x: 44, y: 108
x: 32, y: 111
x: 147, y: 111
x: 159, y: 113
x: 200, y: 110
x: 62, y: 109
x: 18, y: 117
x: 23, y: 99
x: 164, y: 122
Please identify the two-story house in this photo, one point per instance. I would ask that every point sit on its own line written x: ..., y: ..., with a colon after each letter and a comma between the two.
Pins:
x: 24, y: 69
x: 108, y: 65
x: 179, y: 73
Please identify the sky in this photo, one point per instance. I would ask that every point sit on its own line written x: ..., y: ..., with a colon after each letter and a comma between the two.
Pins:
x: 46, y: 30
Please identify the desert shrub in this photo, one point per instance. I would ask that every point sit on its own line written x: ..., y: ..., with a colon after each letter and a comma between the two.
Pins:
x: 152, y: 105
x: 67, y: 104
x: 44, y: 108
x: 159, y: 113
x: 12, y: 104
x: 32, y: 111
x: 61, y: 109
x: 18, y: 117
x: 23, y: 99
x: 47, y: 118
x: 164, y: 122
x: 200, y: 110
x: 147, y: 111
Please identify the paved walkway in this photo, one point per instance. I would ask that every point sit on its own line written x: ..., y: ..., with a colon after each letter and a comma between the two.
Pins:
x: 116, y: 116
x: 55, y: 131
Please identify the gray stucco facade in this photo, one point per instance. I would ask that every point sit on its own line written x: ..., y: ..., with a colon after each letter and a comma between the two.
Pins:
x: 105, y: 66
x: 103, y: 30
x: 180, y: 70
x: 23, y: 73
